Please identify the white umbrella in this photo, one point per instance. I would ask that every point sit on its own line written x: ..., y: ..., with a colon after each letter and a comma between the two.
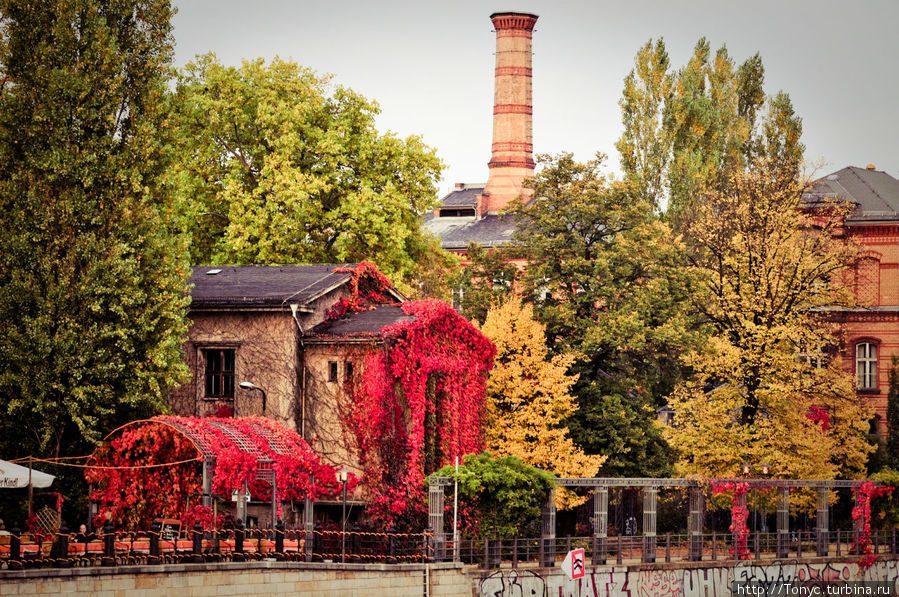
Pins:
x: 14, y: 475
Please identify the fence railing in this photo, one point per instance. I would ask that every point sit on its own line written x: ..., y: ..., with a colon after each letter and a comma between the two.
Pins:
x: 115, y: 548
x: 669, y: 547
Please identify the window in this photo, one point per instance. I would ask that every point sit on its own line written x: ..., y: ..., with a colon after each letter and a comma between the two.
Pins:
x: 458, y: 212
x: 348, y: 372
x: 812, y: 356
x: 458, y: 297
x: 332, y: 371
x: 219, y: 372
x: 866, y: 365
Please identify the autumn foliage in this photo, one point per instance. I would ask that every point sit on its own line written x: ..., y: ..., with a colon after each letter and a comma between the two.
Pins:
x: 368, y: 288
x: 528, y: 398
x: 763, y: 390
x: 739, y: 514
x: 152, y: 467
x: 861, y: 515
x: 419, y: 404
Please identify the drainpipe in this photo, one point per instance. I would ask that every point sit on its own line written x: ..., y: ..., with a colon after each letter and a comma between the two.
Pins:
x: 293, y: 309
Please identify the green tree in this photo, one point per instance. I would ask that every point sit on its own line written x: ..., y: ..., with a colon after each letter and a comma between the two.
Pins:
x: 277, y: 165
x: 92, y: 275
x: 687, y: 129
x: 892, y: 447
x: 485, y: 281
x: 505, y: 493
x: 603, y: 272
x: 768, y: 271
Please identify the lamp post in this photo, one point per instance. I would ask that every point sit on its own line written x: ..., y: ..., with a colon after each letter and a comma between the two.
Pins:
x: 765, y: 470
x: 342, y: 477
x: 746, y: 471
x: 248, y: 385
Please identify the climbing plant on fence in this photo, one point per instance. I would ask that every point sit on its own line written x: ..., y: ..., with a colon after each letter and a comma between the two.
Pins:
x: 152, y: 468
x: 739, y: 514
x: 420, y: 404
x: 861, y: 514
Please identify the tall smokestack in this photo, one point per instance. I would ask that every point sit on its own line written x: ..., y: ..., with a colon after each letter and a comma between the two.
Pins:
x: 512, y: 153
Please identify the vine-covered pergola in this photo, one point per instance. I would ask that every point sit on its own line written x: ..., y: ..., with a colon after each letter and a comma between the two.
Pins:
x: 649, y: 488
x: 252, y: 456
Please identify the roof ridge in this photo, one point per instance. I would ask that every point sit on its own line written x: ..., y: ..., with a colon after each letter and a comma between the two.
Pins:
x: 864, y: 182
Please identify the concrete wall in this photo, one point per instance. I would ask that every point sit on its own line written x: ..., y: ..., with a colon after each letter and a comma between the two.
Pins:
x: 700, y: 579
x: 258, y: 578
x: 674, y: 580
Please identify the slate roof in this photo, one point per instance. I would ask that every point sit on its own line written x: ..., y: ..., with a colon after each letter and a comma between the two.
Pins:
x: 874, y: 192
x: 467, y: 197
x: 456, y: 232
x: 264, y: 285
x: 363, y: 323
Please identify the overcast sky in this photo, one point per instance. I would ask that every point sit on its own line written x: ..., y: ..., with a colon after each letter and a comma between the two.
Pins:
x: 430, y: 64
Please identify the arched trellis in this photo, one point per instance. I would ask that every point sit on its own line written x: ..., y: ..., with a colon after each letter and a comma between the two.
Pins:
x: 649, y: 488
x: 264, y: 450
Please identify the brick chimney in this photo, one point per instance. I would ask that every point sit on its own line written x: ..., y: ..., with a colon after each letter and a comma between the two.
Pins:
x: 512, y: 153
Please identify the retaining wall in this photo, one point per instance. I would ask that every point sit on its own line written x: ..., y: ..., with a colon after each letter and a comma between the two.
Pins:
x: 256, y: 578
x: 694, y: 579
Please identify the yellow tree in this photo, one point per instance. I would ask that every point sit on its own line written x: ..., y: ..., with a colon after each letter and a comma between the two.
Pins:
x: 765, y: 389
x: 528, y: 398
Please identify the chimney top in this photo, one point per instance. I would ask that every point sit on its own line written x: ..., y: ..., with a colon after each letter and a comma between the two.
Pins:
x: 513, y: 13
x: 870, y: 167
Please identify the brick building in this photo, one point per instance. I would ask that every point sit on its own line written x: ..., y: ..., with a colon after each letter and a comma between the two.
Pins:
x: 871, y: 330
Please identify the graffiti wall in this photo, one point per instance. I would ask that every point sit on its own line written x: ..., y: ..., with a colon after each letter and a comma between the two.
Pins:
x: 609, y: 581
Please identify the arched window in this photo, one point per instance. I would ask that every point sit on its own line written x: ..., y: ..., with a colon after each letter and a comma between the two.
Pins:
x: 866, y: 366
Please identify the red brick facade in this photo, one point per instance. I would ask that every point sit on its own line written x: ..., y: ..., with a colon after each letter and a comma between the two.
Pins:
x: 871, y: 330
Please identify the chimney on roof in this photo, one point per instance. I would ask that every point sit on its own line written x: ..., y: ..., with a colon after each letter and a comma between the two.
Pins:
x: 870, y: 167
x: 511, y: 156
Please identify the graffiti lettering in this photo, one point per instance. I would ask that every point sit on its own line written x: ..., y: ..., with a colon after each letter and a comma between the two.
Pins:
x: 694, y: 582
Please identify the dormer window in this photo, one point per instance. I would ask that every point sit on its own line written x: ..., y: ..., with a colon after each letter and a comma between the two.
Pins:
x: 457, y: 212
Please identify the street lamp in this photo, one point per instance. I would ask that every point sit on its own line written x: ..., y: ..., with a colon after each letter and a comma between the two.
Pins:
x: 342, y: 477
x: 248, y: 385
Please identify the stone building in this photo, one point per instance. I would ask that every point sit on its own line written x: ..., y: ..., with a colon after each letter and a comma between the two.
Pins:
x: 278, y: 328
x: 871, y: 330
x: 471, y: 212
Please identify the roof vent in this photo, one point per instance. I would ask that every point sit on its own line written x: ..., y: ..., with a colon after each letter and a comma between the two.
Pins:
x: 213, y: 272
x: 870, y: 167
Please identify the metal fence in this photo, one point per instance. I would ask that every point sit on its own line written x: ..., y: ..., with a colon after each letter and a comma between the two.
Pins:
x: 117, y: 548
x: 668, y: 547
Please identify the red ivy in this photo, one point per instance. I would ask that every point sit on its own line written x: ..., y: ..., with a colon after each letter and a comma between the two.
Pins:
x: 134, y: 496
x: 819, y: 415
x: 420, y: 404
x: 861, y: 514
x: 739, y: 514
x: 368, y: 288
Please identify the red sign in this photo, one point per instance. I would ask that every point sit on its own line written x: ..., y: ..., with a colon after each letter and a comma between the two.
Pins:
x: 573, y: 565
